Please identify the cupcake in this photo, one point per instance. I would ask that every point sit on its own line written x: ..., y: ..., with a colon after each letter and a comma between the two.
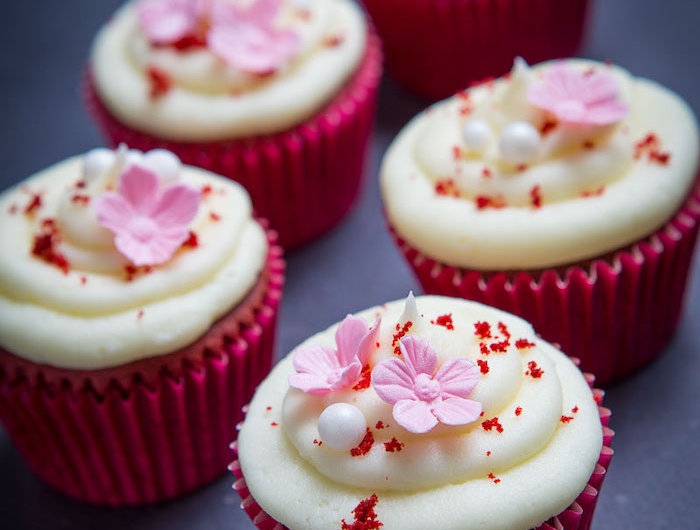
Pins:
x: 278, y: 95
x: 435, y: 48
x: 565, y: 193
x: 138, y: 301
x: 434, y: 413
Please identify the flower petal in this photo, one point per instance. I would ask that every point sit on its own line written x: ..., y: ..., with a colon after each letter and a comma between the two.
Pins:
x: 456, y: 411
x: 310, y: 383
x: 368, y: 342
x: 113, y: 211
x: 139, y: 186
x: 177, y: 206
x: 348, y: 377
x: 458, y: 377
x: 348, y: 337
x: 392, y: 381
x: 319, y: 360
x: 166, y: 21
x: 419, y: 355
x: 414, y: 416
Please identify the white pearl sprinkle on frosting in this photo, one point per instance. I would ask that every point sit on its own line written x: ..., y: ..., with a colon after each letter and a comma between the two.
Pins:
x: 164, y: 163
x: 519, y: 143
x: 342, y: 426
x: 476, y: 135
x: 97, y: 162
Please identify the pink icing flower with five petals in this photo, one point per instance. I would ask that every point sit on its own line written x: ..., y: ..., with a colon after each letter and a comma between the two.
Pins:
x: 149, y: 223
x: 423, y: 396
x: 579, y: 97
x: 321, y: 369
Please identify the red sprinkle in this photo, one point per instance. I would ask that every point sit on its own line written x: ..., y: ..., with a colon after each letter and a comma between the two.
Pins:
x: 494, y: 478
x: 45, y: 243
x: 444, y: 320
x: 566, y: 419
x: 206, y: 190
x: 83, y: 280
x: 488, y: 453
x: 365, y: 445
x: 33, y: 204
x: 393, y: 446
x: 499, y: 347
x: 523, y: 344
x: 491, y: 424
x: 139, y: 315
x: 518, y: 411
x: 482, y: 330
x: 333, y: 41
x: 650, y: 146
x: 274, y: 424
x: 192, y: 241
x: 503, y: 329
x: 488, y: 201
x: 536, y: 196
x: 80, y: 199
x: 548, y: 126
x: 533, y: 370
x: 484, y: 348
x: 594, y: 193
x: 380, y: 425
x: 486, y: 173
x: 318, y: 442
x: 160, y: 82
x: 214, y: 216
x: 483, y: 366
x: 365, y: 379
x: 364, y: 515
x: 400, y: 332
x: 574, y: 410
x: 447, y: 188
x: 588, y: 144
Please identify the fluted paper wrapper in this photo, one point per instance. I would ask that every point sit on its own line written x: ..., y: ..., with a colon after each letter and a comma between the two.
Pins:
x: 577, y: 516
x: 435, y: 48
x: 304, y: 180
x: 616, y: 314
x: 151, y: 430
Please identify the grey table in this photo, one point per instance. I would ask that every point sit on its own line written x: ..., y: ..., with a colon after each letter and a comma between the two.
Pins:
x: 654, y: 480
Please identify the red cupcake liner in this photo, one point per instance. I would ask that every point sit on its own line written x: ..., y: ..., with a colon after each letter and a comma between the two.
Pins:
x: 437, y: 47
x: 578, y: 516
x: 304, y: 180
x: 151, y: 430
x: 616, y: 313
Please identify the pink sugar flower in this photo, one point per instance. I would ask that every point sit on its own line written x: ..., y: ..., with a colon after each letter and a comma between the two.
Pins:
x: 423, y: 396
x: 579, y: 97
x: 248, y: 38
x: 168, y: 21
x: 149, y: 223
x: 321, y: 369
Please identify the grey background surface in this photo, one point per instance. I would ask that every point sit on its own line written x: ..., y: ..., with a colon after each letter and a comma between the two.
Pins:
x: 654, y: 479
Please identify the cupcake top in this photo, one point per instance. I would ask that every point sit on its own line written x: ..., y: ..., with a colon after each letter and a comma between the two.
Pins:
x: 201, y: 70
x: 120, y: 255
x: 435, y: 412
x: 546, y: 166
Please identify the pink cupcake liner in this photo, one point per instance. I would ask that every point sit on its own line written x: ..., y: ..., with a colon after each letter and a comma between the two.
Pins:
x: 437, y: 47
x: 304, y: 180
x: 578, y: 516
x: 151, y: 430
x: 616, y: 313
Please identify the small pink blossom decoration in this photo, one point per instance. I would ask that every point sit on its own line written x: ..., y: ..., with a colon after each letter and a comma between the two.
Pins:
x: 423, y: 396
x: 245, y: 38
x: 149, y: 223
x: 578, y: 97
x: 321, y: 370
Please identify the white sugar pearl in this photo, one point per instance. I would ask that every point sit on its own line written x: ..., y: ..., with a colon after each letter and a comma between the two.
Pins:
x: 342, y: 426
x: 519, y: 143
x: 133, y: 157
x: 165, y: 164
x: 97, y: 162
x: 476, y: 134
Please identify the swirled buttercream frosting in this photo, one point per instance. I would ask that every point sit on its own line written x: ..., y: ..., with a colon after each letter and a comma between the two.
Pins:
x: 457, y: 417
x: 201, y: 70
x: 549, y: 165
x: 119, y: 255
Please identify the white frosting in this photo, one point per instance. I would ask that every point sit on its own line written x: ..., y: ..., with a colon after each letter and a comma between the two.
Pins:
x: 460, y: 478
x: 94, y: 316
x: 593, y: 199
x: 212, y: 101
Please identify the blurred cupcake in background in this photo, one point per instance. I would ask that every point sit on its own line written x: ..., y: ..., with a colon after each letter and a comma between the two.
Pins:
x: 138, y: 302
x: 565, y: 193
x: 278, y: 95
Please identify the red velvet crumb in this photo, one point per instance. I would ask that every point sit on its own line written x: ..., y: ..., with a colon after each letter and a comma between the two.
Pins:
x: 491, y: 424
x: 483, y: 366
x: 364, y: 515
x: 594, y: 193
x: 533, y: 370
x: 523, y: 344
x: 192, y: 241
x: 380, y: 425
x: 274, y: 424
x: 566, y: 419
x: 393, y: 446
x: 214, y: 216
x: 447, y: 188
x: 482, y: 330
x: 45, y: 243
x: 487, y: 201
x: 206, y: 190
x: 503, y: 329
x: 333, y: 41
x: 499, y: 347
x: 484, y: 349
x: 160, y: 82
x: 486, y: 173
x: 139, y: 315
x: 364, y: 446
x: 80, y: 199
x: 589, y: 144
x: 400, y: 332
x: 548, y: 126
x: 444, y: 320
x: 495, y: 479
x: 518, y: 411
x: 536, y: 196
x: 318, y: 442
x: 650, y: 146
x: 488, y: 453
x: 365, y: 379
x: 34, y: 204
x: 574, y: 410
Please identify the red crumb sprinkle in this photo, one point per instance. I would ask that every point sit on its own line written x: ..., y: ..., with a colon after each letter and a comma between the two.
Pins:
x: 80, y: 199
x: 206, y: 190
x: 650, y: 146
x: 483, y: 366
x: 190, y: 41
x: 192, y: 241
x: 132, y: 271
x: 536, y: 196
x: 493, y: 477
x: 364, y: 515
x: 45, y: 243
x: 518, y: 411
x: 268, y: 408
x: 589, y: 144
x: 520, y: 168
x: 318, y: 442
x: 523, y: 344
x: 364, y: 446
x: 482, y: 330
x: 566, y: 419
x: 488, y: 201
x: 80, y: 184
x: 274, y: 424
x: 491, y: 424
x: 466, y: 105
x: 380, y: 425
x: 393, y: 445
x: 548, y: 126
x: 447, y: 188
x: 444, y: 320
x: 533, y: 370
x: 365, y: 379
x: 503, y: 329
x: 400, y: 332
x: 83, y: 280
x: 499, y: 347
x: 333, y: 41
x: 594, y: 193
x: 139, y: 315
x: 488, y: 453
x: 214, y: 216
x: 160, y: 82
x: 574, y: 410
x: 456, y: 152
x: 484, y: 348
x: 486, y: 173
x: 34, y: 204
